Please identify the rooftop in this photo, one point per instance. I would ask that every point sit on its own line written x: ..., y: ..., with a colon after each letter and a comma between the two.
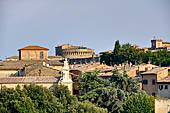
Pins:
x: 8, y: 65
x: 154, y: 71
x: 41, y: 70
x: 165, y: 80
x: 33, y: 47
x: 30, y: 79
x: 93, y: 67
x: 13, y: 57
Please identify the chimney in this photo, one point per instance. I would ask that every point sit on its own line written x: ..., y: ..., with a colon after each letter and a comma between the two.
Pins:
x: 47, y: 65
x: 44, y: 64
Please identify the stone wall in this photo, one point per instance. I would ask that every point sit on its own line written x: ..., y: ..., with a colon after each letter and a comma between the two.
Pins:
x: 7, y: 73
x: 149, y: 87
x: 162, y: 91
x: 14, y: 85
x: 162, y: 105
x: 69, y: 51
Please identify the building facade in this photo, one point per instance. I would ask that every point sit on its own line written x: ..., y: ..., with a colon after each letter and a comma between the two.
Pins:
x: 162, y: 105
x: 164, y: 87
x: 39, y: 74
x: 33, y: 53
x: 70, y: 51
x: 159, y: 44
x: 150, y: 78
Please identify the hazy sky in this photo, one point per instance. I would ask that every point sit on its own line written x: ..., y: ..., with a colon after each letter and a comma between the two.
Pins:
x: 96, y: 24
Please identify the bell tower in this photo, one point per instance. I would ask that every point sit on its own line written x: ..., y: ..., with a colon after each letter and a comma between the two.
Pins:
x: 66, y: 78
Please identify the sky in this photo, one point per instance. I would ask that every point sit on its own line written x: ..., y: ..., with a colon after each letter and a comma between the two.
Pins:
x: 96, y: 24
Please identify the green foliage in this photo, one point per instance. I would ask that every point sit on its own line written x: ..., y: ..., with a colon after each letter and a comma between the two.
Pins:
x: 160, y: 58
x: 108, y: 94
x: 44, y: 99
x: 88, y: 107
x: 69, y: 101
x: 15, y: 101
x: 90, y: 81
x: 117, y: 48
x: 139, y: 103
x: 127, y: 53
x: 123, y: 82
x: 109, y: 97
x: 106, y: 58
x: 37, y: 99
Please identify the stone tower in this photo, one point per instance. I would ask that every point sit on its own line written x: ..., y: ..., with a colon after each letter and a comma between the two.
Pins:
x: 156, y: 44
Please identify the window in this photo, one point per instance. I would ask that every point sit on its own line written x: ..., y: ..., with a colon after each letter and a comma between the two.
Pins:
x: 153, y: 94
x: 137, y: 71
x: 41, y: 55
x: 153, y: 82
x: 27, y: 55
x: 145, y: 81
x: 160, y: 87
x: 146, y: 69
x: 166, y: 86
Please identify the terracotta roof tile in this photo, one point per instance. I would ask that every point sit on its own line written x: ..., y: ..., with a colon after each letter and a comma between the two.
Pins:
x: 166, y: 79
x: 154, y: 71
x: 31, y: 79
x: 13, y: 57
x: 33, y: 48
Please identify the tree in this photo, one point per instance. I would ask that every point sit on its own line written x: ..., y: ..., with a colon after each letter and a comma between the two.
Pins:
x: 139, y: 103
x: 109, y: 97
x: 63, y: 94
x: 117, y: 48
x: 115, y: 54
x: 44, y: 99
x: 106, y: 58
x: 88, y: 107
x: 71, y: 104
x: 123, y: 53
x: 109, y: 94
x: 124, y: 82
x: 91, y: 81
x: 15, y: 101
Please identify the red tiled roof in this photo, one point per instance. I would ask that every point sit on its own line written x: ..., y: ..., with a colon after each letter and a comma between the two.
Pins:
x: 13, y: 57
x: 34, y: 48
x: 166, y: 42
x: 31, y: 79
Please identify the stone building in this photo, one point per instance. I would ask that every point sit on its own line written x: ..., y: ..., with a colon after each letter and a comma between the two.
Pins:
x: 29, y: 67
x: 162, y: 105
x: 45, y: 81
x: 159, y: 45
x: 150, y: 78
x: 12, y: 58
x: 164, y: 87
x: 33, y: 53
x: 77, y: 54
x: 70, y: 51
x: 38, y: 73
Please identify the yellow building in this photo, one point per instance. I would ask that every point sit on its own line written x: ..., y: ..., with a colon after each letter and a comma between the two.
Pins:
x: 33, y: 53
